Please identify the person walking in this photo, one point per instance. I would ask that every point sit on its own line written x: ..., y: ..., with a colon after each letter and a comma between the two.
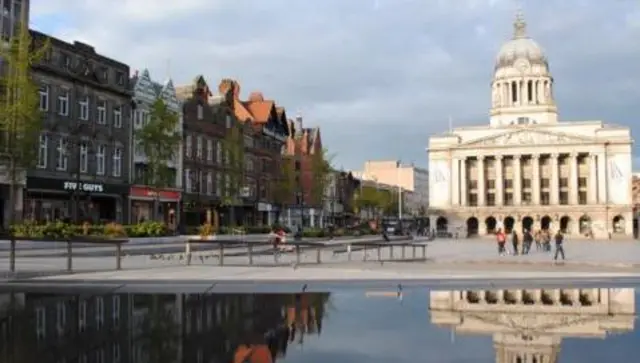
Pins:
x: 514, y: 242
x: 538, y: 239
x: 559, y: 237
x: 527, y: 241
x: 501, y: 239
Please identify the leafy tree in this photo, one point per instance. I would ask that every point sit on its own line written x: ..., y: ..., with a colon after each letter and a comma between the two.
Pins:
x: 21, y: 120
x: 284, y: 187
x: 234, y: 159
x: 320, y: 169
x: 159, y: 139
x: 368, y: 198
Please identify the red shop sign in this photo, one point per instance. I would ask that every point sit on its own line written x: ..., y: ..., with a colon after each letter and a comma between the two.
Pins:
x: 144, y: 192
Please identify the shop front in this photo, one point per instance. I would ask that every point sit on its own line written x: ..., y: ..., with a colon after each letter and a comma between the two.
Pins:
x: 49, y: 199
x: 166, y: 202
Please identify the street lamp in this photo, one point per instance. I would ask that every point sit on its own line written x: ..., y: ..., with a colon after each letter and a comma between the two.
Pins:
x: 398, y: 169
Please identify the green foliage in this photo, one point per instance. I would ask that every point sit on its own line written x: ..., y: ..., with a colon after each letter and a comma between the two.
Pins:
x: 62, y: 231
x: 284, y: 187
x: 320, y: 169
x: 159, y: 139
x: 147, y: 229
x: 234, y: 158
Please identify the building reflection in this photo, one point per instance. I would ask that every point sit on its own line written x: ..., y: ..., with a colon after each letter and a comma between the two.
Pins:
x: 146, y: 328
x: 528, y: 325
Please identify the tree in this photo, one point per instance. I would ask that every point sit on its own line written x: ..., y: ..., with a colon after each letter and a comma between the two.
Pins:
x: 21, y: 120
x: 320, y: 169
x: 159, y: 139
x: 234, y: 158
x: 284, y: 187
x: 370, y: 198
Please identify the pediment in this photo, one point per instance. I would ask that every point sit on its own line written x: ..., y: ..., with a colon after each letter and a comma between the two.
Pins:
x: 529, y: 137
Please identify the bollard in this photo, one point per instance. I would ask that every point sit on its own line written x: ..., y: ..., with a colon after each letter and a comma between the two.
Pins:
x: 391, y: 252
x: 250, y: 253
x: 69, y: 257
x: 364, y: 250
x: 118, y: 256
x: 297, y: 254
x: 403, y: 251
x: 349, y: 252
x: 379, y: 253
x: 187, y: 252
x: 221, y: 254
x: 318, y: 258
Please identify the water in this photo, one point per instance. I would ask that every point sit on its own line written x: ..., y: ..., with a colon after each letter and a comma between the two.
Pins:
x: 342, y: 325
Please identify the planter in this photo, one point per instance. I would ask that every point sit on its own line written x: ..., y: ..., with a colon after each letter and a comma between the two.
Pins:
x: 74, y: 239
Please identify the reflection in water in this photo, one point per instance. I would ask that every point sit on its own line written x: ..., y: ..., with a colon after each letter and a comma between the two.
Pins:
x: 528, y: 325
x: 141, y: 328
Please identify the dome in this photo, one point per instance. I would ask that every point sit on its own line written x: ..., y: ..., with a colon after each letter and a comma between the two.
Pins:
x: 520, y: 47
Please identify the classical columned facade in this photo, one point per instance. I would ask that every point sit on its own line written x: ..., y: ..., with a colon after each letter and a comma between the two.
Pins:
x: 526, y: 170
x: 528, y: 325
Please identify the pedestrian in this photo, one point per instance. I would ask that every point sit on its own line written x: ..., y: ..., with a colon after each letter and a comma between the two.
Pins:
x: 559, y: 237
x: 514, y: 242
x: 527, y: 241
x: 501, y: 239
x: 538, y: 239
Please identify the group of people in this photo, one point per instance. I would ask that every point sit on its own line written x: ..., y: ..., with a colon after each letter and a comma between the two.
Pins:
x: 522, y: 243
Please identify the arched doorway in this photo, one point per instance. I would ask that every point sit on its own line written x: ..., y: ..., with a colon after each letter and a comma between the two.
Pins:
x: 618, y: 224
x: 565, y: 224
x: 491, y: 223
x: 442, y: 224
x: 508, y: 224
x: 545, y: 223
x: 527, y: 224
x: 472, y: 226
x: 584, y: 225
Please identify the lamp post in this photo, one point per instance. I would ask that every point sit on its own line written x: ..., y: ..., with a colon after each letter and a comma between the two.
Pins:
x: 398, y: 169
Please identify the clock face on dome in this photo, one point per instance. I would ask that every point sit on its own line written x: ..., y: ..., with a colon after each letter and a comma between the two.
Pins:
x: 522, y: 66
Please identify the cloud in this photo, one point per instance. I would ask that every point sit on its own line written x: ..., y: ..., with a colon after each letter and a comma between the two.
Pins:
x: 387, y: 73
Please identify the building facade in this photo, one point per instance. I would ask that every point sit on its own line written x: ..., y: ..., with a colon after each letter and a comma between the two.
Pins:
x: 338, y: 203
x: 529, y: 325
x: 82, y: 171
x: 527, y: 170
x: 14, y: 12
x: 144, y: 198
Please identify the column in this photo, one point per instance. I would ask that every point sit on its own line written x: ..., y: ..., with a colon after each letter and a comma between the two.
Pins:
x: 535, y: 185
x: 592, y: 183
x: 482, y: 193
x: 573, y: 178
x: 555, y: 188
x: 455, y: 181
x: 464, y: 187
x: 517, y: 179
x: 499, y: 181
x: 602, y: 178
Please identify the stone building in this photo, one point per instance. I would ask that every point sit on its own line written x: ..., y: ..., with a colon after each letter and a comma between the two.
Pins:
x: 82, y: 171
x: 142, y: 196
x: 526, y: 169
x: 528, y: 325
x: 339, y: 198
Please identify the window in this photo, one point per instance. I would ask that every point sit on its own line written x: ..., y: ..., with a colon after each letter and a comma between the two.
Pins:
x: 101, y: 152
x: 137, y: 119
x: 115, y: 310
x: 44, y: 98
x: 102, y: 112
x: 218, y: 184
x: 564, y: 182
x: 120, y: 78
x: 218, y: 152
x: 209, y: 183
x: 248, y: 163
x: 188, y: 145
x: 187, y: 180
x: 63, y: 103
x: 582, y: 197
x: 491, y: 199
x: 84, y: 108
x: 227, y: 185
x: 99, y: 312
x: 544, y: 183
x: 42, y: 151
x: 545, y: 198
x: 209, y: 150
x: 117, y: 117
x: 115, y: 353
x: 82, y: 315
x: 227, y: 121
x: 508, y: 199
x: 99, y: 356
x: 117, y: 162
x: 200, y: 187
x: 41, y: 323
x: 200, y: 112
x: 62, y: 158
x: 564, y: 198
x: 84, y: 157
x: 199, y: 147
x: 61, y: 317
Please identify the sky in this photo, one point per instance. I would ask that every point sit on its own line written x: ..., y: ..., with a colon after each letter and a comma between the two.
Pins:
x: 377, y: 76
